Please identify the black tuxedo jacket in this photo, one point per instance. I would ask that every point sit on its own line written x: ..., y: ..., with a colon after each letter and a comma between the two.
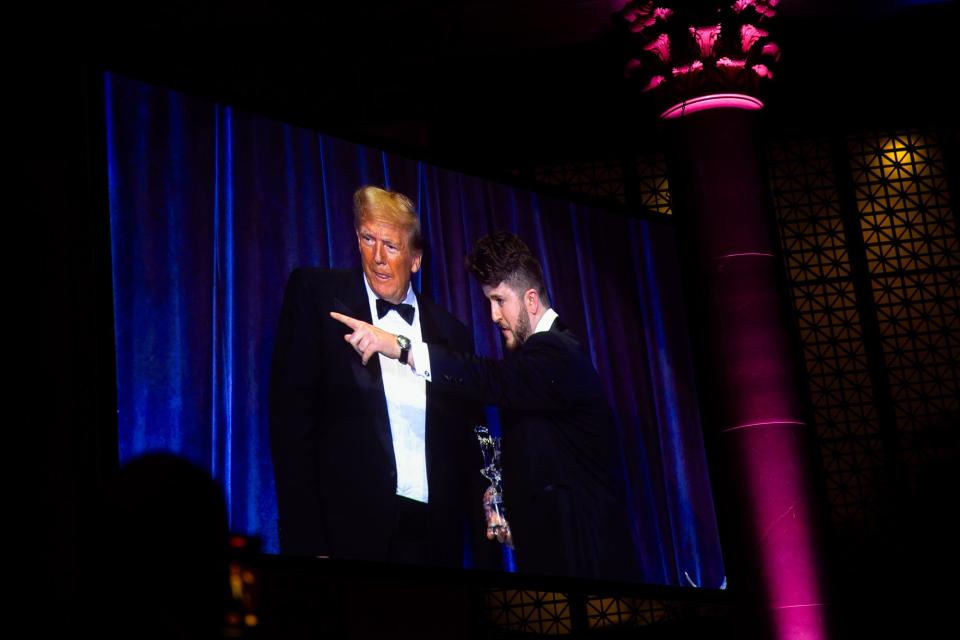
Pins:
x: 330, y: 434
x: 562, y: 481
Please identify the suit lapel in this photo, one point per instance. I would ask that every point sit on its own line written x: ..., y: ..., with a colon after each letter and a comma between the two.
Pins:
x: 429, y: 330
x: 369, y: 378
x: 558, y: 326
x: 353, y: 302
x: 431, y: 333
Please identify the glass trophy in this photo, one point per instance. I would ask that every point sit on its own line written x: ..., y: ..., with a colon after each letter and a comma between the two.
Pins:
x: 493, y: 497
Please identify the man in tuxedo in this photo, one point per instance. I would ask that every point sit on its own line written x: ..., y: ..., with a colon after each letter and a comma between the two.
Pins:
x: 370, y: 462
x: 562, y: 481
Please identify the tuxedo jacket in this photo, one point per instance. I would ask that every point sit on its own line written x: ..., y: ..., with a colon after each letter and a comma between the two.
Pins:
x: 563, y: 486
x: 332, y: 448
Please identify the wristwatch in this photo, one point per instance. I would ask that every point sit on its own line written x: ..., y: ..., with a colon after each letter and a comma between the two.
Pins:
x: 404, y: 344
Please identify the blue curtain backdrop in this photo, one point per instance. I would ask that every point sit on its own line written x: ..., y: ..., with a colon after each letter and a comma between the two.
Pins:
x: 211, y: 208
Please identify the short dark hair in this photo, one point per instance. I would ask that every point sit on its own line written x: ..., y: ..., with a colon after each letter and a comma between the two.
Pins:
x: 503, y: 257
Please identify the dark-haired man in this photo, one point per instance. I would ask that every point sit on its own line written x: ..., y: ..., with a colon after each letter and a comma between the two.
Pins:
x: 563, y: 488
x: 370, y: 462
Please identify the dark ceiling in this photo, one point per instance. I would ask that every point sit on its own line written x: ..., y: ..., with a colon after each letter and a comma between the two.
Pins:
x: 504, y: 82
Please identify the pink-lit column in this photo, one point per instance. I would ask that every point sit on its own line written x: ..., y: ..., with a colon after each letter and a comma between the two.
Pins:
x: 753, y: 410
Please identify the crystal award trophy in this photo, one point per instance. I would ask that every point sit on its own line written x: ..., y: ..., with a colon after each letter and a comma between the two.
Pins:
x: 493, y: 497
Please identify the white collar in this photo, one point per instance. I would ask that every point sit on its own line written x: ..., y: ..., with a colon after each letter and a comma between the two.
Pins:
x: 546, y: 321
x: 372, y: 295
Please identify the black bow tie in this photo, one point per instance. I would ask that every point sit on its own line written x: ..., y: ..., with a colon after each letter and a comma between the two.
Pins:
x: 405, y: 310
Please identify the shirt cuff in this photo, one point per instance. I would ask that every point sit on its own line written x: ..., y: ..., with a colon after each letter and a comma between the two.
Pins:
x: 421, y: 358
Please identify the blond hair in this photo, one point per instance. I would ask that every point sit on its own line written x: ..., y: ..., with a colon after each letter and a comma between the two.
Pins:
x: 373, y: 204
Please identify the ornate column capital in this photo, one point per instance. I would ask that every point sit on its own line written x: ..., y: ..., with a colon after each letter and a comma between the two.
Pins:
x: 704, y: 54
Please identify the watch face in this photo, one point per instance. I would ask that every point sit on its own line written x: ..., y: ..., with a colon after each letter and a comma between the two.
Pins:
x: 403, y: 341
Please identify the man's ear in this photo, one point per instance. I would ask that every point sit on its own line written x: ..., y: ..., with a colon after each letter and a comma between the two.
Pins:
x: 531, y: 300
x: 417, y: 259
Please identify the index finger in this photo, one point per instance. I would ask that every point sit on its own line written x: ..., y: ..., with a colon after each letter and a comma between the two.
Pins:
x: 353, y: 323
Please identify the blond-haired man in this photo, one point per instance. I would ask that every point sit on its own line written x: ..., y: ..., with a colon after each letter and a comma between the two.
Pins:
x: 369, y: 461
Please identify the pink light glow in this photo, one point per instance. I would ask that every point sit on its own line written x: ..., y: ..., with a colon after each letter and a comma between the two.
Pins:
x: 782, y: 530
x: 759, y: 409
x: 749, y: 35
x: 661, y: 47
x: 771, y: 49
x: 642, y: 24
x: 762, y: 71
x: 763, y: 7
x: 792, y: 423
x: 727, y: 63
x: 693, y: 67
x: 645, y: 16
x: 706, y: 38
x: 632, y: 65
x: 655, y: 82
x: 804, y: 622
x: 746, y: 253
x: 713, y: 101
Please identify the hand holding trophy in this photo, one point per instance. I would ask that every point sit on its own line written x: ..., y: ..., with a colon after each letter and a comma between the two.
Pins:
x: 497, y: 525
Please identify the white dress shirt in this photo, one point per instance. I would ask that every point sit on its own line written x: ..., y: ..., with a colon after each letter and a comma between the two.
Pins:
x: 406, y: 395
x: 546, y: 322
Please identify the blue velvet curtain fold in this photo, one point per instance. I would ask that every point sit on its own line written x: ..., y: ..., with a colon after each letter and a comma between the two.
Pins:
x: 210, y: 210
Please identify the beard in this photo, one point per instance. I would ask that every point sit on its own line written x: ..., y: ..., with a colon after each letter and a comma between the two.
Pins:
x: 521, y: 332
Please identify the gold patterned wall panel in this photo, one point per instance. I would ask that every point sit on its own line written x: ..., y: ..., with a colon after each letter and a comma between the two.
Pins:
x: 652, y: 184
x: 910, y: 237
x: 517, y: 612
x: 808, y: 208
x: 619, y: 612
x: 602, y: 179
x: 606, y: 180
x: 535, y: 612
